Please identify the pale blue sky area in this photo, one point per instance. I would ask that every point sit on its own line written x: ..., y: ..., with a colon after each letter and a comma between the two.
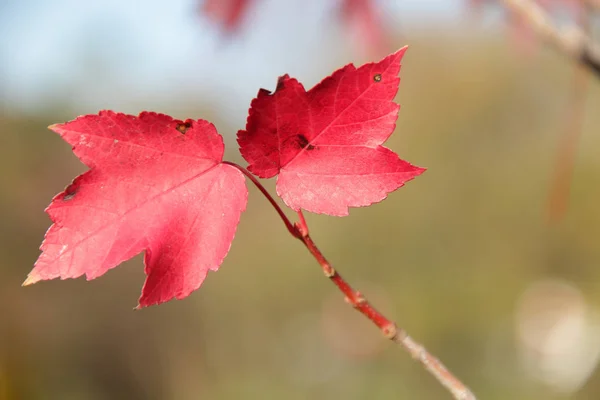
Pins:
x: 134, y: 54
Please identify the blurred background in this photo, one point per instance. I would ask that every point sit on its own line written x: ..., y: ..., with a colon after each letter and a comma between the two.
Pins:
x: 469, y: 258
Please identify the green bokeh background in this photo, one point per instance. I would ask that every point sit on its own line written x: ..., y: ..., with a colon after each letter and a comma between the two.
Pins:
x: 448, y: 256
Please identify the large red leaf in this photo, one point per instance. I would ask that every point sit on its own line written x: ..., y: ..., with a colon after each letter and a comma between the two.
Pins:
x: 325, y: 144
x: 154, y: 184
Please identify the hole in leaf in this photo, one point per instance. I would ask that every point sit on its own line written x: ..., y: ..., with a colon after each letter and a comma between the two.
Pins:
x: 377, y: 78
x: 184, y: 126
x: 70, y: 192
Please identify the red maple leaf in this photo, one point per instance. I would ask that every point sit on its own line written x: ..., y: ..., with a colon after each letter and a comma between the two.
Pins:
x: 326, y: 144
x: 155, y: 184
x: 359, y: 15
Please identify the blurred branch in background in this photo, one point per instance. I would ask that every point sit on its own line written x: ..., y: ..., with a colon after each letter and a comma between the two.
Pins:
x: 575, y: 115
x: 573, y: 41
x: 592, y: 3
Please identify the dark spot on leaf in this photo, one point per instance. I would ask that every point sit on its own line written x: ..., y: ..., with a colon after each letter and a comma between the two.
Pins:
x: 182, y: 127
x: 303, y: 142
x: 70, y: 192
x: 377, y: 78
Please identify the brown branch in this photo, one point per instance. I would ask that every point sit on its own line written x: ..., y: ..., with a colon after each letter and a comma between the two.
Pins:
x: 389, y: 329
x: 572, y: 42
x: 288, y: 224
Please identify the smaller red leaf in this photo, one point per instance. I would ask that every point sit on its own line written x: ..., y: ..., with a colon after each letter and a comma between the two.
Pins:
x: 155, y: 184
x: 326, y: 144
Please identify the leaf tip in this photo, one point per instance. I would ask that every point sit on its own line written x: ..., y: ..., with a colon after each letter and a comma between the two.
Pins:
x: 398, y: 55
x: 31, y: 279
x: 53, y: 127
x: 281, y: 81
